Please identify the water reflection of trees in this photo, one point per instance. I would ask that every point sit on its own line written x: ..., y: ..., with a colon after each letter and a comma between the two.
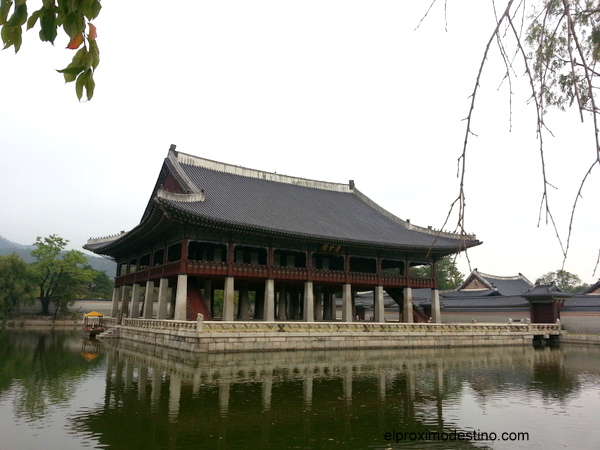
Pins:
x: 41, y: 368
x: 163, y: 398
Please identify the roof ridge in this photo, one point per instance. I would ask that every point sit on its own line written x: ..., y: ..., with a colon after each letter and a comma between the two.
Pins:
x: 520, y: 276
x: 192, y: 160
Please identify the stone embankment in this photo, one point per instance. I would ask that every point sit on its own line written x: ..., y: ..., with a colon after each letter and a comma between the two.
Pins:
x: 214, y: 337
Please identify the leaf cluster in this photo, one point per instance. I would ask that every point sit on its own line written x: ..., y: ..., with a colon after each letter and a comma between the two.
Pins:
x: 564, y: 38
x: 564, y: 280
x: 75, y: 18
x: 448, y: 275
x: 61, y: 277
x: 16, y: 284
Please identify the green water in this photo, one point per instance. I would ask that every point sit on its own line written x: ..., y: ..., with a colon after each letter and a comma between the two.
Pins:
x: 59, y: 391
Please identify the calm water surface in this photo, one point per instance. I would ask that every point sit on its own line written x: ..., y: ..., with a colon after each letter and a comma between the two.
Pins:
x: 59, y: 391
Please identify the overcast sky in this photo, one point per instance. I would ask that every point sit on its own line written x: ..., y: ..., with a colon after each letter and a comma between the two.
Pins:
x: 326, y: 90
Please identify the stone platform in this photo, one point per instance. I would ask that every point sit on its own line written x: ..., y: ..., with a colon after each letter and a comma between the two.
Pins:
x: 217, y: 337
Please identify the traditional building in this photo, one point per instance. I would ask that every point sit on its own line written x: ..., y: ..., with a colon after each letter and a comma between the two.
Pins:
x: 277, y: 247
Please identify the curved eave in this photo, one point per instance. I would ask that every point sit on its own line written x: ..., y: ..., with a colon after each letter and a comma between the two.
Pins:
x: 172, y: 209
x: 153, y: 220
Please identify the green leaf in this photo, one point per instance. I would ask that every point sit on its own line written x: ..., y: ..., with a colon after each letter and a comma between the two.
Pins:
x: 33, y: 18
x: 5, y: 6
x: 6, y: 35
x: 73, y: 25
x: 90, y: 85
x: 17, y: 38
x: 92, y: 9
x: 80, y: 83
x: 48, y: 26
x: 95, y: 52
x: 19, y: 16
x: 72, y: 70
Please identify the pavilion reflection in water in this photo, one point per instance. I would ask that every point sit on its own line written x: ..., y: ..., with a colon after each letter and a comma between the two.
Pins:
x: 160, y: 395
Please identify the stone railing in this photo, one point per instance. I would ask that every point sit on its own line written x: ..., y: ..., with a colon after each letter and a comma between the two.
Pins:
x: 337, y: 327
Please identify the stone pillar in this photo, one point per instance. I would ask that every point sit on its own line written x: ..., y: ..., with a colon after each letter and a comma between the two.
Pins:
x: 125, y: 301
x: 281, y: 303
x: 259, y: 304
x: 181, y: 298
x: 142, y: 381
x: 318, y: 306
x: 163, y: 296
x: 307, y: 389
x: 408, y: 305
x: 378, y: 307
x: 347, y: 313
x: 224, y: 388
x: 114, y: 311
x: 244, y: 305
x: 149, y: 300
x: 228, y: 299
x: 267, y: 388
x: 436, y: 314
x: 269, y: 302
x: 308, y: 312
x: 135, y: 301
x: 156, y: 386
x: 174, y: 396
x: 171, y: 303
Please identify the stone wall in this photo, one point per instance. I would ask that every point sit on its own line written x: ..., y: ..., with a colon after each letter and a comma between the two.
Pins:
x: 215, y: 337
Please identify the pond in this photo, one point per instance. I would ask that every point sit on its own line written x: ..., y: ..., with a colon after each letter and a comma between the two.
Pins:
x: 59, y: 391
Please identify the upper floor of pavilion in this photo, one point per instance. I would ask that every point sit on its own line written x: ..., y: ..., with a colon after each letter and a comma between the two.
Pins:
x: 223, y: 204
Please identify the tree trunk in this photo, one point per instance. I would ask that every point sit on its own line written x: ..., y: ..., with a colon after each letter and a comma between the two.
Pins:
x: 45, y: 306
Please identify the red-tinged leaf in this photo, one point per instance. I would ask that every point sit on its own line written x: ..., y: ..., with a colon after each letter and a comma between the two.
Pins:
x: 76, y: 42
x: 92, y: 34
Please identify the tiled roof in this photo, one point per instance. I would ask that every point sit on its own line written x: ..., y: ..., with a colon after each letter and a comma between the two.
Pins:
x: 546, y: 291
x: 504, y: 285
x: 500, y: 301
x: 583, y: 303
x: 294, y: 206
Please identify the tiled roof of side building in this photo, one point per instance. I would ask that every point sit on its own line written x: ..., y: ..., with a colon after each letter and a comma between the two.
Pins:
x: 504, y: 285
x: 295, y: 206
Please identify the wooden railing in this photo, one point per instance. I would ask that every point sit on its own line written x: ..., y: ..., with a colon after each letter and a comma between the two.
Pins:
x: 256, y: 271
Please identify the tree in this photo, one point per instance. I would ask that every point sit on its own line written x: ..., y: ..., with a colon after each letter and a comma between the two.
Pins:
x: 448, y: 275
x: 74, y: 17
x: 566, y: 281
x: 16, y: 284
x: 60, y: 276
x: 101, y: 285
x: 556, y: 43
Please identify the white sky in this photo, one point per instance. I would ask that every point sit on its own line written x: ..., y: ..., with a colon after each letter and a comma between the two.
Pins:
x: 327, y: 90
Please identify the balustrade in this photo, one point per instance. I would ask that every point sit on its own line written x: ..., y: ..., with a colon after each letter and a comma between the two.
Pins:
x: 335, y: 327
x: 218, y: 268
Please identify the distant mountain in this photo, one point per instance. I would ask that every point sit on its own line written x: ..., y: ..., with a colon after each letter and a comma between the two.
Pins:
x: 6, y: 244
x: 24, y: 251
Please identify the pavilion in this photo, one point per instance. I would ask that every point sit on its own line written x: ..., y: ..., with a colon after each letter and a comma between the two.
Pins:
x: 276, y: 247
